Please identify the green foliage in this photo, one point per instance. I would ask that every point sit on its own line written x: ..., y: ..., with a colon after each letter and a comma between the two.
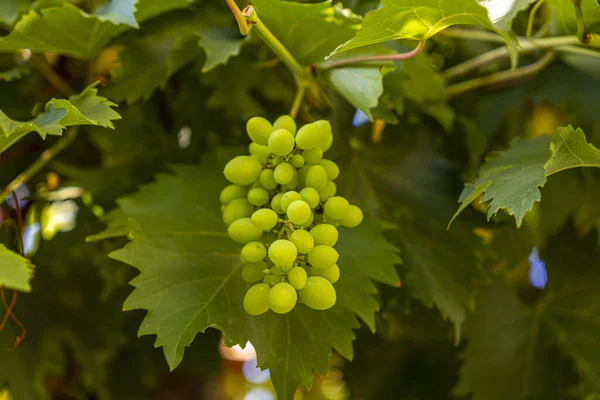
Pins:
x: 16, y: 271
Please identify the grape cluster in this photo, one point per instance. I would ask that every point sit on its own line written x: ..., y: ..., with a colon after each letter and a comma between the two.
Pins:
x: 282, y: 206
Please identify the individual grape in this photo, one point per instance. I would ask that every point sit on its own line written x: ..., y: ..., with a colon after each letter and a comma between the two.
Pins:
x: 275, y: 161
x: 313, y: 156
x: 254, y: 252
x: 262, y: 153
x: 302, y: 174
x: 308, y: 137
x: 297, y: 161
x: 298, y: 212
x: 256, y: 300
x: 270, y: 278
x: 242, y: 170
x: 353, y: 217
x: 267, y: 179
x: 243, y: 231
x: 309, y: 221
x: 332, y: 273
x: 324, y: 234
x: 297, y: 277
x: 293, y: 183
x: 232, y: 192
x: 236, y: 209
x: 322, y: 256
x: 281, y: 142
x: 329, y: 191
x: 253, y: 272
x: 326, y: 134
x: 285, y: 122
x: 282, y: 298
x: 336, y: 207
x: 334, y: 222
x: 316, y: 177
x: 303, y: 241
x: 265, y: 219
x: 276, y: 203
x: 318, y: 293
x: 259, y: 130
x: 258, y: 196
x: 284, y: 173
x: 310, y: 196
x: 288, y: 198
x: 332, y: 169
x: 282, y: 253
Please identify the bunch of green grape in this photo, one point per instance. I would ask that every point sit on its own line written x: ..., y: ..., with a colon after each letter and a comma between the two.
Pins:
x: 282, y: 206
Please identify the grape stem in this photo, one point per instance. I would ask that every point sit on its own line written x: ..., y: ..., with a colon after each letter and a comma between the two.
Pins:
x: 239, y: 17
x: 531, y: 19
x: 297, y: 103
x: 385, y: 57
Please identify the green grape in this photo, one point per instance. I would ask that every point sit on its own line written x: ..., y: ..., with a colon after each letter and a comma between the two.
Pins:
x: 253, y: 272
x: 313, y: 156
x: 259, y: 130
x: 244, y: 231
x: 332, y: 273
x: 265, y: 219
x: 336, y: 207
x: 267, y: 179
x: 324, y: 234
x: 297, y: 277
x: 262, y: 153
x: 256, y: 300
x: 302, y: 174
x: 284, y: 173
x: 282, y: 298
x: 281, y: 142
x: 308, y: 137
x: 242, y: 170
x: 318, y: 293
x: 353, y: 217
x: 330, y: 191
x: 322, y: 256
x: 288, y: 198
x: 275, y: 161
x: 332, y: 169
x: 326, y: 134
x: 276, y: 203
x: 254, y: 252
x: 316, y: 177
x: 297, y: 161
x: 232, y: 192
x: 258, y: 196
x: 303, y: 241
x: 293, y: 183
x: 334, y: 222
x: 285, y: 122
x: 298, y: 212
x: 309, y: 221
x: 310, y: 196
x: 270, y: 278
x: 282, y: 253
x: 236, y: 209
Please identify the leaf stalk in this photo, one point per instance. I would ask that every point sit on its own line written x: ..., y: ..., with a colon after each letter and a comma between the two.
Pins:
x: 386, y: 57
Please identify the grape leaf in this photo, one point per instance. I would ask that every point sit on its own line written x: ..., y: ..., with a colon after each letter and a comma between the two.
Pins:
x: 564, y: 20
x: 502, y: 13
x: 9, y: 10
x: 16, y: 72
x: 147, y: 9
x: 15, y: 271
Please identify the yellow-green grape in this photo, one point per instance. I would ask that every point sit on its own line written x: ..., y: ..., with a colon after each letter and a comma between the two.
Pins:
x: 288, y: 198
x: 309, y: 221
x: 270, y: 278
x: 276, y: 203
x: 318, y: 293
x: 236, y: 209
x: 322, y: 256
x: 303, y: 241
x: 258, y: 196
x: 267, y: 179
x: 254, y: 252
x: 297, y: 277
x: 265, y: 219
x: 329, y: 191
x: 332, y: 273
x: 232, y: 192
x: 275, y: 161
x: 293, y: 183
x: 281, y: 142
x: 262, y: 153
x: 285, y: 122
x: 316, y: 177
x: 298, y: 212
x: 253, y: 272
x: 336, y: 207
x: 243, y: 231
x: 334, y: 222
x: 326, y: 134
x: 297, y: 161
x: 242, y: 170
x: 284, y: 173
x: 310, y: 196
x: 283, y: 253
x: 324, y: 234
x: 313, y: 156
x: 332, y: 169
x: 256, y: 300
x: 308, y: 137
x: 282, y: 298
x: 353, y: 217
x: 259, y: 130
x: 302, y: 174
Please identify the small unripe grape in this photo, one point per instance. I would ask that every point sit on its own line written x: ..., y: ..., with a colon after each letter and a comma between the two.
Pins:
x: 308, y: 137
x: 313, y: 156
x: 329, y: 192
x: 336, y: 207
x: 281, y: 142
x: 282, y: 253
x: 285, y: 122
x: 258, y: 196
x: 326, y: 134
x: 293, y: 183
x: 297, y: 161
x: 332, y: 274
x: 270, y: 278
x: 253, y: 272
x: 236, y: 209
x: 275, y: 161
x: 288, y: 198
x: 325, y: 234
x: 297, y: 277
x: 259, y: 130
x: 262, y: 153
x: 265, y: 219
x: 353, y: 217
x: 276, y: 203
x: 318, y: 293
x: 232, y: 192
x: 332, y: 169
x: 323, y: 256
x: 256, y: 300
x: 254, y: 252
x: 244, y: 231
x: 310, y: 196
x: 242, y: 170
x: 267, y: 179
x: 282, y: 298
x: 298, y: 212
x: 303, y: 241
x: 284, y: 173
x: 316, y: 177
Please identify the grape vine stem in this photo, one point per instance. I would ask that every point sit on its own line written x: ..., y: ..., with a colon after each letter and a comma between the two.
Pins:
x: 297, y: 102
x: 40, y: 63
x: 531, y: 20
x: 239, y: 17
x: 386, y: 57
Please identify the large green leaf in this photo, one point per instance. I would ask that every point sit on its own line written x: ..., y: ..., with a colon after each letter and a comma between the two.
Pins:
x: 564, y: 20
x: 15, y: 271
x: 9, y: 10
